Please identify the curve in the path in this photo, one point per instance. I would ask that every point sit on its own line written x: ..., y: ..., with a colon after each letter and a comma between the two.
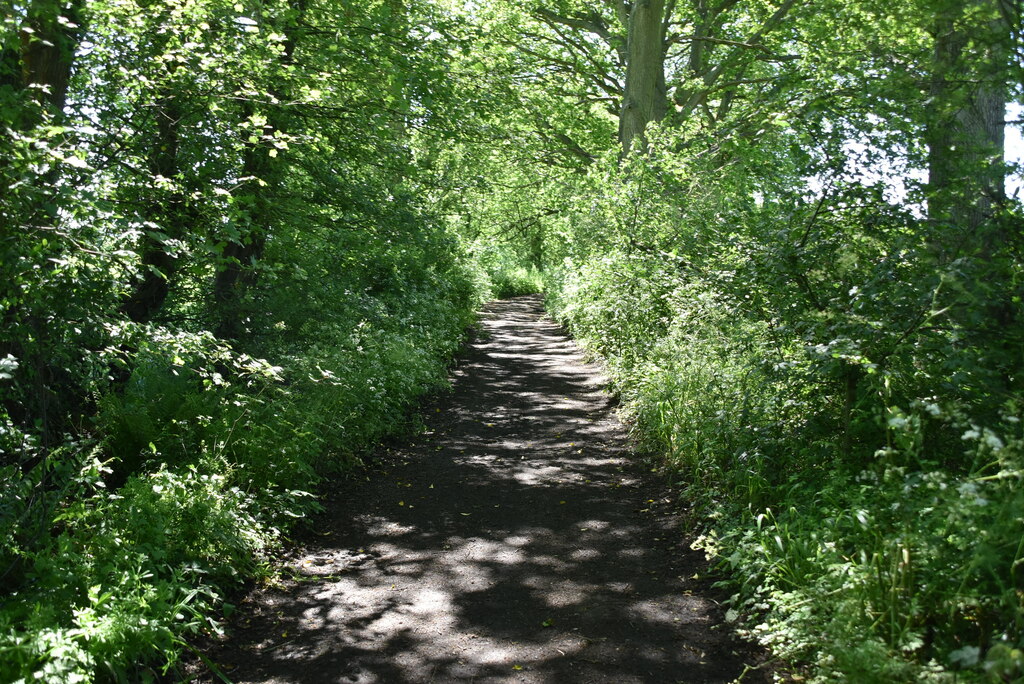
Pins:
x: 511, y: 543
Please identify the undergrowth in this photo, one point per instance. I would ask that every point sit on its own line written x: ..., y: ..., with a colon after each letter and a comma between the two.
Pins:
x: 118, y: 548
x: 508, y: 271
x: 892, y: 553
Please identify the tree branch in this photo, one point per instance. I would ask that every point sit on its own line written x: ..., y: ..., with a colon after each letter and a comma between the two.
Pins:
x: 592, y: 23
x: 698, y: 95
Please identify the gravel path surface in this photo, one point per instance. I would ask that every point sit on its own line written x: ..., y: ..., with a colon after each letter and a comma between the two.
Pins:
x: 512, y: 542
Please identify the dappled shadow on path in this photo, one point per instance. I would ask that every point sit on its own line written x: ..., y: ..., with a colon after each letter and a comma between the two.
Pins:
x: 510, y: 543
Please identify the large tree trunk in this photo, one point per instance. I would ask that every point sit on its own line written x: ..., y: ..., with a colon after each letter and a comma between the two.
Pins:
x: 645, y: 98
x: 970, y: 236
x: 48, y: 49
x: 37, y: 65
x: 965, y: 137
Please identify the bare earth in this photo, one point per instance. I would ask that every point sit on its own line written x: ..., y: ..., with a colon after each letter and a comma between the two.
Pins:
x: 513, y: 542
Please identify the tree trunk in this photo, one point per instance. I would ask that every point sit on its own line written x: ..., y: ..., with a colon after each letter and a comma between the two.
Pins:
x: 236, y: 274
x: 965, y: 137
x: 645, y: 99
x: 397, y: 79
x: 170, y: 213
x: 36, y: 68
x: 37, y: 64
x: 970, y: 234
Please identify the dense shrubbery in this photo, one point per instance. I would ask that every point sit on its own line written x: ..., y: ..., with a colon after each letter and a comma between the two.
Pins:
x: 120, y: 545
x: 511, y: 279
x: 216, y: 288
x: 857, y: 456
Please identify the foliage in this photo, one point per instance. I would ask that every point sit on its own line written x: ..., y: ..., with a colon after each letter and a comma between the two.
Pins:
x: 217, y: 289
x: 828, y: 371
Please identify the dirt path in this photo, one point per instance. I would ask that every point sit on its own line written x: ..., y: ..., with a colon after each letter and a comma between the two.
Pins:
x: 512, y: 543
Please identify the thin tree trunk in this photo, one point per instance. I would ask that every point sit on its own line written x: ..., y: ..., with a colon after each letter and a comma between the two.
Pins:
x: 237, y: 273
x: 169, y: 213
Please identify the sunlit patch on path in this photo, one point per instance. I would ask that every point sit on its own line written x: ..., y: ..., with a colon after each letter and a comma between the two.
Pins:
x: 512, y: 543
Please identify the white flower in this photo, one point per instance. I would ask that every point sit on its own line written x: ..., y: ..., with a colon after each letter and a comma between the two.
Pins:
x: 966, y: 656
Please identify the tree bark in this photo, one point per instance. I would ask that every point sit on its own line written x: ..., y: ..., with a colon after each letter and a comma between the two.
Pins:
x: 970, y: 236
x: 48, y: 51
x: 966, y: 135
x: 646, y: 98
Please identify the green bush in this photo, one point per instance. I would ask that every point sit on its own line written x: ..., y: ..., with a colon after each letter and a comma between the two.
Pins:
x: 899, y: 563
x: 507, y: 270
x: 514, y: 281
x: 120, y: 548
x: 899, y: 573
x: 129, y: 576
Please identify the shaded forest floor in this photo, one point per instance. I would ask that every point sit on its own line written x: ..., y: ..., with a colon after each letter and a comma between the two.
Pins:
x: 513, y: 541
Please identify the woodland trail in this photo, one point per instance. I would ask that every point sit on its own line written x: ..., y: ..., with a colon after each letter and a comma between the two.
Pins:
x: 512, y: 542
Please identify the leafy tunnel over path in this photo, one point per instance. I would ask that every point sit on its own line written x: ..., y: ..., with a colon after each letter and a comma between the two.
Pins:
x: 513, y: 542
